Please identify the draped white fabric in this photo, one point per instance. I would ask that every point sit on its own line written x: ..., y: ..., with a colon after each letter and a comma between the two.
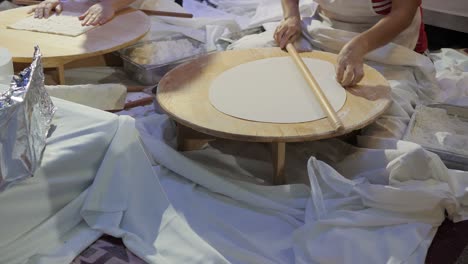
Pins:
x: 379, y: 201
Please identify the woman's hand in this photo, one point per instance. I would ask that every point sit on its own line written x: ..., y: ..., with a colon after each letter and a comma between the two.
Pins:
x: 44, y: 9
x: 288, y: 31
x: 97, y: 14
x: 349, y: 68
x: 350, y: 60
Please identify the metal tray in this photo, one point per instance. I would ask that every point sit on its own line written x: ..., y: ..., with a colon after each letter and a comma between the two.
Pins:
x: 151, y: 74
x: 451, y: 159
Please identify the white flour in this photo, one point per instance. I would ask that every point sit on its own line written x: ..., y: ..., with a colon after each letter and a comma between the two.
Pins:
x: 164, y: 51
x: 434, y: 128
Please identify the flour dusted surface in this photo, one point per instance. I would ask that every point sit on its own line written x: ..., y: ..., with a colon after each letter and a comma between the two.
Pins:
x: 67, y: 23
x: 434, y: 128
x: 165, y: 51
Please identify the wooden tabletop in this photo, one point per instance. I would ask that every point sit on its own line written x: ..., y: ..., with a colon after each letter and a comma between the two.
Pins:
x: 126, y: 28
x: 184, y: 94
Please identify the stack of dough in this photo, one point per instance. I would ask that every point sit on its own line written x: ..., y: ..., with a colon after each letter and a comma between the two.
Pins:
x: 101, y: 96
x: 6, y: 69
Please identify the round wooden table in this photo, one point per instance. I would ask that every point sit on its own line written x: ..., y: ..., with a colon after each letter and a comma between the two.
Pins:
x: 183, y: 94
x: 126, y: 28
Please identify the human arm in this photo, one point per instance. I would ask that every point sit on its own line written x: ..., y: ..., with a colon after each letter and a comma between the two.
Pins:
x: 103, y: 11
x: 351, y: 57
x: 289, y: 29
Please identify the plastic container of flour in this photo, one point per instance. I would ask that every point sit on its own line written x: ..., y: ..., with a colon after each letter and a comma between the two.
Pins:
x: 442, y: 129
x: 148, y: 61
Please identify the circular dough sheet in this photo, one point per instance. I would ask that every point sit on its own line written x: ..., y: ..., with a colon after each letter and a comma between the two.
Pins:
x: 273, y: 90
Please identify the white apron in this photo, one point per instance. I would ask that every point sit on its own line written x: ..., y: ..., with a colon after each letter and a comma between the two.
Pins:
x: 359, y: 15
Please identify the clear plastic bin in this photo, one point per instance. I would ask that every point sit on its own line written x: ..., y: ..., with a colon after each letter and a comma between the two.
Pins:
x: 451, y: 159
x: 151, y: 74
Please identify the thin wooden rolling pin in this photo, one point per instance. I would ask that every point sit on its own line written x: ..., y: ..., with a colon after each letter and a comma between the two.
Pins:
x: 326, y: 107
x: 166, y: 13
x: 139, y: 102
x: 26, y: 2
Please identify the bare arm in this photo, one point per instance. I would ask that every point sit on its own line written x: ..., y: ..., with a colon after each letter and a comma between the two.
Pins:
x: 351, y: 57
x: 290, y: 8
x: 390, y: 26
x: 290, y: 28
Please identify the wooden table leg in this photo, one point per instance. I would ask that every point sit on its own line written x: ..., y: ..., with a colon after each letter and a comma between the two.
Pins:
x: 189, y: 139
x: 279, y: 156
x: 181, y: 146
x: 60, y: 74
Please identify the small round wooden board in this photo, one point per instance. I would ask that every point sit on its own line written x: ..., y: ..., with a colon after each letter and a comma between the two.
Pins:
x: 127, y: 27
x: 183, y: 94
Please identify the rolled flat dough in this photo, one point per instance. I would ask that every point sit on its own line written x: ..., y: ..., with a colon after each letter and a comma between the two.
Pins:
x: 67, y: 24
x: 273, y: 90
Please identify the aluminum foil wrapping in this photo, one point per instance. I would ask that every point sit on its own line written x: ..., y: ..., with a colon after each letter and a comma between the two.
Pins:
x: 26, y: 112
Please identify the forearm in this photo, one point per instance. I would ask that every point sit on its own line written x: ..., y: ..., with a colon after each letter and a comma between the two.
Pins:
x: 118, y: 4
x: 387, y: 28
x: 290, y: 8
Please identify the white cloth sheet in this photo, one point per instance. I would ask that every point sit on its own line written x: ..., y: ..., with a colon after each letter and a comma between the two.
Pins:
x: 452, y: 76
x: 6, y: 5
x: 380, y: 201
x: 205, y: 29
x: 38, y: 211
x: 271, y: 11
x: 386, y: 208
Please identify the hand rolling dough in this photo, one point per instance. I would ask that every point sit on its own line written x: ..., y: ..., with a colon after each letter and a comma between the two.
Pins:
x: 273, y: 90
x: 67, y: 23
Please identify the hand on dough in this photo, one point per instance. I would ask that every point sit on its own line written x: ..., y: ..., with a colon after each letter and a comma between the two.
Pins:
x: 44, y: 9
x: 97, y: 14
x: 288, y: 31
x: 349, y: 69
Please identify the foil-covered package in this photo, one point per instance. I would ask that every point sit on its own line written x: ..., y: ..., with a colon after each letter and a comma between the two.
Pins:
x: 26, y: 112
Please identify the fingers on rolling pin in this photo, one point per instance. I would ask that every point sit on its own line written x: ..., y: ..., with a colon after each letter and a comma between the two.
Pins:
x: 324, y: 103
